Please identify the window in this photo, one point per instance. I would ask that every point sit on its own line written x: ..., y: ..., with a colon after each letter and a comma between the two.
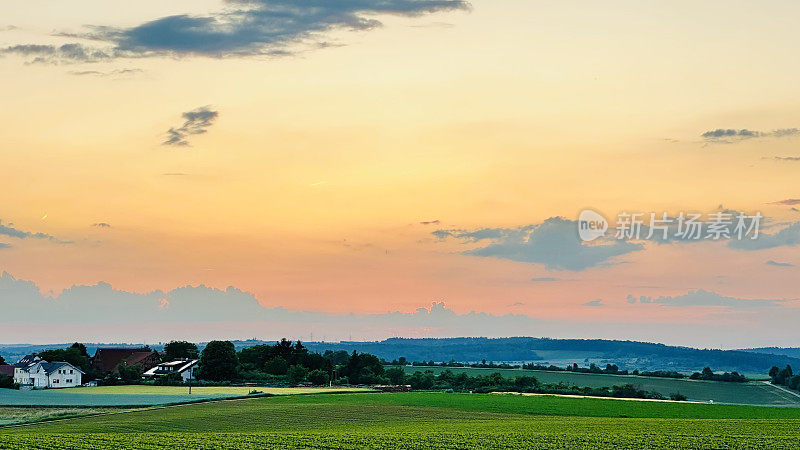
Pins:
x: 68, y: 380
x: 55, y: 381
x: 70, y: 371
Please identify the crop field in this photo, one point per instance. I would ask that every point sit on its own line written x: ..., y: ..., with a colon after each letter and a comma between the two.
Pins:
x: 16, y: 414
x: 134, y: 396
x: 421, y: 420
x: 752, y: 393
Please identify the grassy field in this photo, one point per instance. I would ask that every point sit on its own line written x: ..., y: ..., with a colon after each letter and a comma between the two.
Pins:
x: 752, y: 393
x: 422, y: 420
x: 135, y: 396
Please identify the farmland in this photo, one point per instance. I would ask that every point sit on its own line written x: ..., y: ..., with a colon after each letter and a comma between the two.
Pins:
x: 419, y: 420
x: 135, y: 396
x: 752, y: 393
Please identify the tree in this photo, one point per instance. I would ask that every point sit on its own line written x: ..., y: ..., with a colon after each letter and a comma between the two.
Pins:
x: 218, y: 361
x: 75, y: 355
x: 318, y: 377
x: 296, y: 373
x: 2, y: 361
x: 81, y: 348
x: 276, y: 366
x: 363, y: 368
x: 130, y: 374
x: 180, y: 350
x: 396, y: 375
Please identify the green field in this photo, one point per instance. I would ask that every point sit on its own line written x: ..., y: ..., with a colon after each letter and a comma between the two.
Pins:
x: 752, y: 393
x: 135, y: 396
x: 422, y: 420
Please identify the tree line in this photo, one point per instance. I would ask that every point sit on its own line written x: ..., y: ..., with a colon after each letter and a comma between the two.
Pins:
x: 784, y: 377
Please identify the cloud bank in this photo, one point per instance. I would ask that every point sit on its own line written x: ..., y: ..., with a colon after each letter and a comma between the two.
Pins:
x: 730, y: 135
x: 702, y: 297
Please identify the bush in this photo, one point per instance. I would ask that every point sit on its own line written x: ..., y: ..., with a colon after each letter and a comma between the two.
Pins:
x: 7, y: 382
x: 678, y: 397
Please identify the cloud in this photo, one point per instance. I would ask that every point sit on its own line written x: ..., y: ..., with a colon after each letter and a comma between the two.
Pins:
x: 119, y: 73
x: 4, y: 245
x: 553, y: 243
x: 778, y: 264
x: 594, y: 303
x: 787, y: 158
x: 729, y: 135
x: 9, y: 230
x: 543, y: 279
x: 702, y: 297
x: 787, y: 202
x: 101, y: 225
x: 430, y: 222
x: 56, y: 54
x: 786, y: 237
x: 248, y: 27
x: 197, y: 121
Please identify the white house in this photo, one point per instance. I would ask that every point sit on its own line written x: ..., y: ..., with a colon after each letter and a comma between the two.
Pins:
x: 187, y: 368
x: 42, y: 375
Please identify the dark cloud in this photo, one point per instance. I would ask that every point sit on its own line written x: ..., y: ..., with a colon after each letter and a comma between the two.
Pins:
x: 248, y: 27
x: 702, y: 297
x: 778, y: 264
x: 731, y: 135
x: 553, y: 243
x: 594, y: 303
x: 723, y: 133
x: 430, y: 222
x: 101, y: 225
x: 197, y: 121
x: 9, y: 230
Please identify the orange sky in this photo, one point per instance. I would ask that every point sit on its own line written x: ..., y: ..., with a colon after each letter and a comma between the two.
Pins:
x: 309, y: 187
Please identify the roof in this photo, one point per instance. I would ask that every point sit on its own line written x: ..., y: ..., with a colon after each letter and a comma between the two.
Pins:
x: 50, y: 367
x: 108, y: 359
x: 7, y: 369
x: 177, y: 366
x: 27, y: 360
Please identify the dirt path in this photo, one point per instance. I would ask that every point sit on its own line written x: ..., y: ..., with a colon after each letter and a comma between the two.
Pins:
x: 783, y: 389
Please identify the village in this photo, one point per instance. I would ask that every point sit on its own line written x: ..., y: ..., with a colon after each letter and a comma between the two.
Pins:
x: 34, y: 372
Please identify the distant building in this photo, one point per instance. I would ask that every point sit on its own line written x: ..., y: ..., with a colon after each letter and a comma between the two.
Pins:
x: 43, y: 375
x: 108, y: 359
x: 185, y: 367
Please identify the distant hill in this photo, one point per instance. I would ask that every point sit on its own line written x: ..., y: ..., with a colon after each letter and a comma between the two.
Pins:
x: 626, y: 354
x: 793, y: 352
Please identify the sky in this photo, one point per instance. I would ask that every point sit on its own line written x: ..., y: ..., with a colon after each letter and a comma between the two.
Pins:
x: 352, y: 169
